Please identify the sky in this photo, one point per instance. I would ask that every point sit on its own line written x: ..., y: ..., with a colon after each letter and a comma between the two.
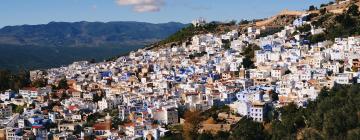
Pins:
x: 19, y: 12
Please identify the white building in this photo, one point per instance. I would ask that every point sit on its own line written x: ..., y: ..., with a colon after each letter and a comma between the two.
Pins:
x: 257, y: 111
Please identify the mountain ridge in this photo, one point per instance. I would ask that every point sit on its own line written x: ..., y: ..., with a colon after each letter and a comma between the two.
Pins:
x: 87, y: 34
x: 59, y: 43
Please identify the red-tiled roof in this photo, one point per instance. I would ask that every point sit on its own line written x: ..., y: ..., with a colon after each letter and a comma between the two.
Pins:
x: 102, y: 126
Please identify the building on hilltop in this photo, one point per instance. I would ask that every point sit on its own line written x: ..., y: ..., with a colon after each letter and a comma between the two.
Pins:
x: 199, y: 22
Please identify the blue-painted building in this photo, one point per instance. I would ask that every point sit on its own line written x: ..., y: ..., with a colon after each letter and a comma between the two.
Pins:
x: 267, y: 48
x: 105, y: 74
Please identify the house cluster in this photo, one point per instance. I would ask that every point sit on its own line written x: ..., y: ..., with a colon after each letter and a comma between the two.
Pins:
x: 138, y: 95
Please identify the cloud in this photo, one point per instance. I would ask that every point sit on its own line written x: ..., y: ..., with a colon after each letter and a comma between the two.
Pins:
x: 142, y: 5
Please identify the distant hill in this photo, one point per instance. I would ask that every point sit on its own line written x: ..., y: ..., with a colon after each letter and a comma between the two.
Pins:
x: 14, y: 57
x: 61, y: 43
x: 87, y: 34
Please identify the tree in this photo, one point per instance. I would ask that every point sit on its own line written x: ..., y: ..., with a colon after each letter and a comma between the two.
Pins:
x: 312, y: 8
x: 353, y: 10
x: 12, y: 81
x: 205, y: 136
x: 19, y: 109
x: 287, y: 72
x: 192, y: 124
x: 310, y: 134
x: 115, y: 122
x: 337, y: 122
x: 232, y: 22
x: 292, y: 118
x: 274, y: 96
x: 77, y: 130
x: 39, y: 83
x: 5, y: 77
x: 242, y: 22
x: 248, y: 63
x: 323, y: 93
x: 250, y: 50
x: 304, y: 28
x: 323, y: 11
x: 317, y: 38
x: 353, y: 134
x: 91, y: 119
x: 270, y: 32
x: 249, y: 53
x: 279, y: 131
x: 97, y: 97
x: 22, y: 79
x: 171, y: 136
x: 63, y: 84
x: 247, y: 129
x: 92, y: 61
x: 334, y: 115
x: 227, y: 45
x: 222, y: 135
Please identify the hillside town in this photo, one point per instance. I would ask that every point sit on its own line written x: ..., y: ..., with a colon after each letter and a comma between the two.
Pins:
x: 138, y: 96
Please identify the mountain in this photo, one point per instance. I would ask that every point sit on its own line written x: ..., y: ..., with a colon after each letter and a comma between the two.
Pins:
x: 60, y: 43
x: 87, y: 34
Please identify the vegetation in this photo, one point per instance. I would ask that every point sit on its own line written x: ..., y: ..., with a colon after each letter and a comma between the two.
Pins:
x: 214, y: 111
x: 304, y: 28
x: 188, y: 32
x: 243, y: 22
x: 194, y: 55
x: 322, y: 11
x: 330, y: 3
x: 316, y: 38
x: 232, y: 22
x: 274, y: 96
x: 98, y: 97
x: 13, y: 57
x: 269, y: 32
x: 87, y: 34
x: 343, y: 25
x: 319, y: 21
x: 13, y: 81
x: 192, y: 125
x: 227, y: 45
x: 249, y: 53
x: 60, y: 43
x: 312, y: 8
x: 346, y: 24
x: 63, y: 84
x: 247, y: 129
x: 39, y: 83
x: 333, y: 115
x: 92, y: 118
x: 17, y: 108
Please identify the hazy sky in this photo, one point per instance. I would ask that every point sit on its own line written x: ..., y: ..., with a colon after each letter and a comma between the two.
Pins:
x: 18, y: 12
